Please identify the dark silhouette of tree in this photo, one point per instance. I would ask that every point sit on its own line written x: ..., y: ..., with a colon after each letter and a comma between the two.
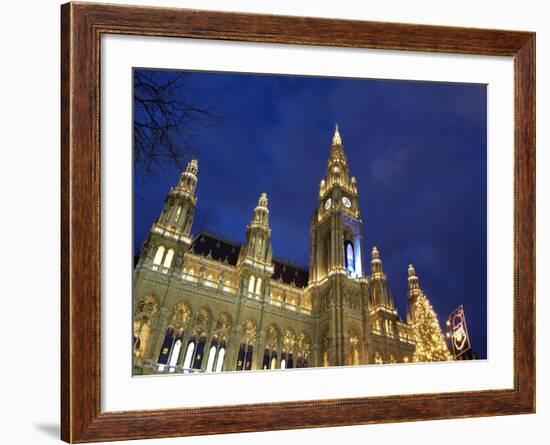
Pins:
x: 165, y: 121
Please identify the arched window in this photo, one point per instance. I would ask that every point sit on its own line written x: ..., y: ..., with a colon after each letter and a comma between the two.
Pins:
x: 211, y: 359
x: 165, y: 349
x: 290, y: 361
x: 157, y: 261
x: 265, y: 362
x: 199, y: 354
x: 283, y: 362
x: 168, y: 259
x: 251, y: 284
x: 174, y: 357
x: 142, y: 330
x: 219, y: 361
x: 259, y: 286
x: 273, y: 364
x: 248, y: 358
x: 188, y: 356
x: 349, y: 256
x: 240, y: 357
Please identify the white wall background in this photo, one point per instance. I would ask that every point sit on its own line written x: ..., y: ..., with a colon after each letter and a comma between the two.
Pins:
x: 29, y: 187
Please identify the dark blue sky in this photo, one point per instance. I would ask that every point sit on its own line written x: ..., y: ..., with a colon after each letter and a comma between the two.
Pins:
x: 417, y: 149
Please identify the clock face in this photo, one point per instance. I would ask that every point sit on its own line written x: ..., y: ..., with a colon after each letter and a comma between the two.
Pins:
x: 327, y: 204
x: 346, y: 202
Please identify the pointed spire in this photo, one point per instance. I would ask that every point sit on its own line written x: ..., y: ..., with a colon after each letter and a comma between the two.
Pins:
x: 413, y: 282
x: 336, y: 139
x: 188, y: 178
x: 193, y: 167
x: 376, y: 262
x: 261, y: 212
x: 262, y: 200
x: 257, y: 247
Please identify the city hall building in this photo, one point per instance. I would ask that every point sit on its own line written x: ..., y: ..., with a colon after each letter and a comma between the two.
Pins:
x: 203, y: 303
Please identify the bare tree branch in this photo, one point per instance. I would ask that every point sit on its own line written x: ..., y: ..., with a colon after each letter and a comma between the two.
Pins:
x: 165, y: 120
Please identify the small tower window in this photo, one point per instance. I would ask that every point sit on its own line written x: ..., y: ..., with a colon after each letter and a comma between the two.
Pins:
x: 251, y: 284
x: 157, y: 261
x: 259, y: 286
x: 178, y: 213
x: 168, y: 258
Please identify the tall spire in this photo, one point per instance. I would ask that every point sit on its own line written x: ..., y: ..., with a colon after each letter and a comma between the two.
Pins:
x: 376, y: 262
x: 257, y: 247
x: 413, y: 292
x: 337, y: 169
x: 336, y: 139
x: 413, y: 282
x: 188, y: 178
x: 261, y: 212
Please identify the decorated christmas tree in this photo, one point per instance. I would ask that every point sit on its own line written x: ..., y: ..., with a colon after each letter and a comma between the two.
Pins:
x: 430, y: 343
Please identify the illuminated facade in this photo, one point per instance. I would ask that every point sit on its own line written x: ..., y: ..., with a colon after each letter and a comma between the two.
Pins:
x: 205, y: 303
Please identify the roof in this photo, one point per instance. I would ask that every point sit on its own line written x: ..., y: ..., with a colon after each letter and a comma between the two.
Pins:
x: 221, y: 249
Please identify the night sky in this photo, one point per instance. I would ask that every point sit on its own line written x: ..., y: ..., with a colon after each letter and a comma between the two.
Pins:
x: 417, y: 150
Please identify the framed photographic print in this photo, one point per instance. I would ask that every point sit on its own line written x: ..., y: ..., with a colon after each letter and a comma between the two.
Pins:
x: 283, y: 222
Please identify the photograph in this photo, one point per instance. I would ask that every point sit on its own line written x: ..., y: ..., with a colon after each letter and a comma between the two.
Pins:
x: 284, y: 222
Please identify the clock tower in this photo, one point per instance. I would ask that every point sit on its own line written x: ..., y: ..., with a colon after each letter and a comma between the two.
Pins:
x: 337, y: 280
x: 336, y: 240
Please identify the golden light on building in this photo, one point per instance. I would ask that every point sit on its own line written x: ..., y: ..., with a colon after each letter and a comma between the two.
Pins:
x: 207, y: 304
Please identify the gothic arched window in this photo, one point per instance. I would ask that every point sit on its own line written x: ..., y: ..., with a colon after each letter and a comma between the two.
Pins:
x: 283, y: 361
x: 248, y: 358
x: 199, y: 354
x: 221, y: 356
x: 349, y: 256
x: 165, y: 349
x: 259, y: 286
x: 174, y: 357
x: 265, y: 362
x: 290, y: 361
x: 273, y: 364
x: 212, y: 355
x: 168, y: 258
x: 142, y: 331
x: 240, y: 357
x: 188, y: 356
x: 157, y: 261
x: 211, y: 359
x: 251, y: 284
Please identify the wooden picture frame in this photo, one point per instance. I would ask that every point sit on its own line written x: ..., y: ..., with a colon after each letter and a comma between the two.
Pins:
x: 82, y: 26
